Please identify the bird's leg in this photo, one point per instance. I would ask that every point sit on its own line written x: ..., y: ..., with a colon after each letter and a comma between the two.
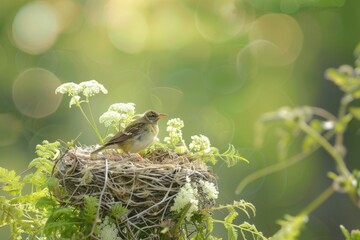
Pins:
x: 127, y: 153
x: 139, y: 157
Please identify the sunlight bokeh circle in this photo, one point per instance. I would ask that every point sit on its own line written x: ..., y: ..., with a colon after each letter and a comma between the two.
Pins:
x: 126, y: 26
x: 281, y: 30
x: 34, y: 92
x: 263, y: 62
x: 220, y: 20
x: 35, y: 27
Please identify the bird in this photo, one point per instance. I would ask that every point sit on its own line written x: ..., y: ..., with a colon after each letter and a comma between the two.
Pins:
x: 137, y: 136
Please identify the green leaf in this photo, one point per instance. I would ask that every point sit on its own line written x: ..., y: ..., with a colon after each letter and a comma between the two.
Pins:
x: 290, y: 227
x: 117, y: 211
x: 232, y: 232
x: 89, y: 211
x: 48, y: 150
x: 45, y: 202
x: 231, y: 156
x: 342, y: 124
x: 64, y: 223
x: 355, y: 112
x: 42, y: 164
x: 333, y: 75
x: 37, y: 179
x: 10, y: 182
x: 309, y: 141
x: 52, y: 183
x: 345, y: 232
x: 357, y: 51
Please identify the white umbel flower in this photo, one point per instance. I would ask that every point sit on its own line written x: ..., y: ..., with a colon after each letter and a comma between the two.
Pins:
x: 74, y: 101
x: 123, y: 108
x: 110, y: 118
x: 209, y: 189
x: 118, y: 115
x: 200, y: 143
x: 174, y: 127
x: 108, y: 230
x: 70, y: 88
x: 187, y: 195
x: 92, y: 87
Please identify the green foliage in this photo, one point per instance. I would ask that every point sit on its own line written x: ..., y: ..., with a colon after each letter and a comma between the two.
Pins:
x: 290, y: 227
x: 117, y: 211
x: 354, y: 235
x: 315, y: 128
x: 68, y: 222
x: 245, y: 229
x: 10, y: 182
x: 26, y: 213
x: 231, y: 156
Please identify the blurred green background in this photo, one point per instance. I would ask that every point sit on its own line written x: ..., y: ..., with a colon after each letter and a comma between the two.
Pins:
x: 217, y: 64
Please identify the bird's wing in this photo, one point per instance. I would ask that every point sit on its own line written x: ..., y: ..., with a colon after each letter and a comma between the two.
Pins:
x: 129, y: 132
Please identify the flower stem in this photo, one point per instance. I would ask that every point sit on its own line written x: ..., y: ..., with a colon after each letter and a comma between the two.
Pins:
x: 271, y: 169
x: 339, y: 139
x: 327, y: 146
x: 318, y: 201
x: 87, y: 119
x: 93, y: 123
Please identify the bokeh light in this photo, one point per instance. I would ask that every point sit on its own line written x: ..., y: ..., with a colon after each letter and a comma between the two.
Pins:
x: 166, y: 98
x: 221, y: 20
x: 169, y: 29
x: 34, y: 92
x: 282, y: 31
x: 69, y: 15
x: 127, y: 26
x: 213, y: 123
x: 35, y: 27
x: 261, y: 62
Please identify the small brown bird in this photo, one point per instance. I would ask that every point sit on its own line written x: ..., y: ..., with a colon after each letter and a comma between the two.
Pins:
x: 137, y: 136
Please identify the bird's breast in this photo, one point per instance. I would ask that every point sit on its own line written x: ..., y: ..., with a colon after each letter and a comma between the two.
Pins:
x: 143, y: 140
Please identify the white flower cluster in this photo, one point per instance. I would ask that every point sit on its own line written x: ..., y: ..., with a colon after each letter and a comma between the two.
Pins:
x: 189, y: 194
x: 87, y: 88
x: 209, y: 189
x: 108, y: 230
x: 92, y: 87
x: 118, y: 114
x: 174, y: 127
x: 200, y: 143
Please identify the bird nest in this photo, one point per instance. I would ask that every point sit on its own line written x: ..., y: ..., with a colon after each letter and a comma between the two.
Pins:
x: 146, y: 187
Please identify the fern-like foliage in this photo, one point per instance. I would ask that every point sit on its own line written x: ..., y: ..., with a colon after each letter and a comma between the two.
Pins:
x: 290, y: 227
x: 10, y: 182
x: 246, y: 230
x: 68, y: 222
x: 26, y: 212
x: 117, y: 211
x: 231, y: 156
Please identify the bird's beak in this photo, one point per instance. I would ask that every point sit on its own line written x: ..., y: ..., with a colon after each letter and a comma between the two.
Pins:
x: 161, y: 115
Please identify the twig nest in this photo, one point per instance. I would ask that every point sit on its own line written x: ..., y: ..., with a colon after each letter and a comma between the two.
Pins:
x: 146, y: 187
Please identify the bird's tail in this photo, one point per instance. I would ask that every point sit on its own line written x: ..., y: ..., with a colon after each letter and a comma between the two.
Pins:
x: 93, y: 153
